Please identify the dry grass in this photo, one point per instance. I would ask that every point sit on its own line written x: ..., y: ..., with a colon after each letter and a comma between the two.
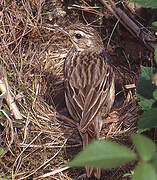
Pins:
x: 33, y: 56
x: 36, y: 146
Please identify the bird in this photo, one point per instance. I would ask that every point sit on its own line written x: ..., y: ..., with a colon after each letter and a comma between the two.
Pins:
x: 89, y: 82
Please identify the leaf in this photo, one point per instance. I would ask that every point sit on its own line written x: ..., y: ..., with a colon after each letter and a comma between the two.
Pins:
x: 1, y: 151
x: 18, y: 123
x: 148, y: 119
x: 146, y: 72
x: 154, y: 161
x: 2, y: 96
x: 155, y: 94
x: 127, y: 175
x: 146, y: 3
x: 144, y: 171
x: 146, y: 104
x: 145, y: 87
x: 154, y: 25
x: 103, y: 154
x: 155, y: 49
x: 42, y: 1
x: 144, y: 146
x: 142, y: 130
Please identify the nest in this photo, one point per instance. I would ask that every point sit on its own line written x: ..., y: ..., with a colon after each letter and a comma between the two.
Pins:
x: 38, y: 145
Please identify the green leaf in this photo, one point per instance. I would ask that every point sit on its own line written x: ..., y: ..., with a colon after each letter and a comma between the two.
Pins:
x: 2, y: 96
x: 154, y: 25
x: 145, y: 87
x: 144, y: 171
x: 18, y: 123
x: 156, y: 51
x: 147, y: 72
x: 154, y: 161
x: 144, y: 146
x: 146, y: 3
x: 127, y: 175
x: 148, y: 119
x: 142, y: 130
x: 103, y: 154
x: 42, y: 1
x: 155, y: 94
x: 1, y: 151
x: 146, y: 104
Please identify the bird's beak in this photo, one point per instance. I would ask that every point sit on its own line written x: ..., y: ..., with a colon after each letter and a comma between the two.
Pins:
x: 61, y: 29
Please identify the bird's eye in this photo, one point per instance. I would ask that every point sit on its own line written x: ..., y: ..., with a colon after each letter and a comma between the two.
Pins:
x: 78, y: 36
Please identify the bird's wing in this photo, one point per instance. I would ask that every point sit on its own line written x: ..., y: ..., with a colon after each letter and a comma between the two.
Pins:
x: 96, y: 98
x: 88, y: 89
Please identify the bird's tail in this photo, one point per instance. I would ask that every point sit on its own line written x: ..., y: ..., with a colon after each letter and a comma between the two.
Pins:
x: 87, y: 139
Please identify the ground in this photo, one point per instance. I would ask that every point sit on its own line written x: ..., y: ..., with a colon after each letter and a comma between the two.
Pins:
x: 32, y: 54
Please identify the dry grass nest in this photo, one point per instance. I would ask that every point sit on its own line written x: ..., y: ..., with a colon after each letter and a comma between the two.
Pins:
x: 38, y: 145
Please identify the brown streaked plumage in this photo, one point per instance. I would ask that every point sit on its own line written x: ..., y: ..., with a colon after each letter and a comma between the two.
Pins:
x: 89, y: 83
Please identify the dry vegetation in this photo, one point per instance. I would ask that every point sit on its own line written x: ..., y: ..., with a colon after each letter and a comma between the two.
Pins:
x: 33, y: 54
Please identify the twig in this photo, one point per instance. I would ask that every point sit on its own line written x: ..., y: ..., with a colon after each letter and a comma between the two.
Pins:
x: 4, y: 88
x: 18, y: 159
x: 46, y: 162
x: 49, y: 145
x: 53, y: 172
x: 148, y: 40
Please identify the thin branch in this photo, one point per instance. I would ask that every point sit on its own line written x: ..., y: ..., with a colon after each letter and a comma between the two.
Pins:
x: 4, y: 88
x: 148, y: 39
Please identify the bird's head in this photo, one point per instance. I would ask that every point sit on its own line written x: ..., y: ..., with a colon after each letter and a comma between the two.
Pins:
x: 84, y: 37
